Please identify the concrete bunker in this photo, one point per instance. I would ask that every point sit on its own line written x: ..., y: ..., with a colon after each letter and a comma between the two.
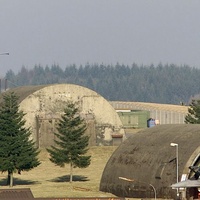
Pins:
x: 148, y: 159
x: 44, y: 105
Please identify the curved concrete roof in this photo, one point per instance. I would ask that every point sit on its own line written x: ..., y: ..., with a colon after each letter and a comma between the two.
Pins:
x: 148, y: 158
x: 25, y: 91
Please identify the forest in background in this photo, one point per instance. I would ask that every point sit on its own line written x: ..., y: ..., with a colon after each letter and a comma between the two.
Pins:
x: 169, y: 83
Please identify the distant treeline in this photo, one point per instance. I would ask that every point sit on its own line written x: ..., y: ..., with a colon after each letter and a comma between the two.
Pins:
x: 169, y: 84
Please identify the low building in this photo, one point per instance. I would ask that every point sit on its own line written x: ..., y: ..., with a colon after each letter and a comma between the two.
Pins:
x: 162, y: 113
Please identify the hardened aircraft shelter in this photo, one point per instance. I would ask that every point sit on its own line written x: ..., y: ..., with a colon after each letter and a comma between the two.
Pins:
x: 148, y: 159
x: 44, y: 105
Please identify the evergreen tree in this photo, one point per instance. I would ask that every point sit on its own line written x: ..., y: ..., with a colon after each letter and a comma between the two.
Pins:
x: 193, y: 116
x: 71, y: 143
x: 17, y: 151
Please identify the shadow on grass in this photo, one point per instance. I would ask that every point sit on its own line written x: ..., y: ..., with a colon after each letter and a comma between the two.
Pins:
x: 17, y: 181
x: 67, y: 178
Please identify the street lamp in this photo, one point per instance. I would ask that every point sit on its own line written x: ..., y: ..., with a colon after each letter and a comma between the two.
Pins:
x: 176, y: 145
x: 132, y: 180
x: 4, y: 54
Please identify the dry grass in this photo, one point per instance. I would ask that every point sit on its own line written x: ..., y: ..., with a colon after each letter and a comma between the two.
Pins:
x: 48, y: 180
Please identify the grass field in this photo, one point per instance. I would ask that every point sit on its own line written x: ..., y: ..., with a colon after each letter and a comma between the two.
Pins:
x: 48, y: 180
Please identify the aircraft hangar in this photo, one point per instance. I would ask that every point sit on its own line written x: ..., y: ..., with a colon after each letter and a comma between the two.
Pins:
x: 147, y: 163
x: 44, y: 105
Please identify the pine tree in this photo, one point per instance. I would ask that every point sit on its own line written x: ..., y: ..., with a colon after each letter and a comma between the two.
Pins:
x: 193, y: 116
x: 71, y: 144
x: 17, y: 151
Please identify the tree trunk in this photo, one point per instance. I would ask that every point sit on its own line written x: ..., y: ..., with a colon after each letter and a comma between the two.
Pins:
x: 71, y: 173
x: 10, y: 179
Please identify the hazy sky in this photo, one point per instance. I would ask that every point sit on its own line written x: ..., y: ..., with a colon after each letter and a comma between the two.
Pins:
x: 98, y: 31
